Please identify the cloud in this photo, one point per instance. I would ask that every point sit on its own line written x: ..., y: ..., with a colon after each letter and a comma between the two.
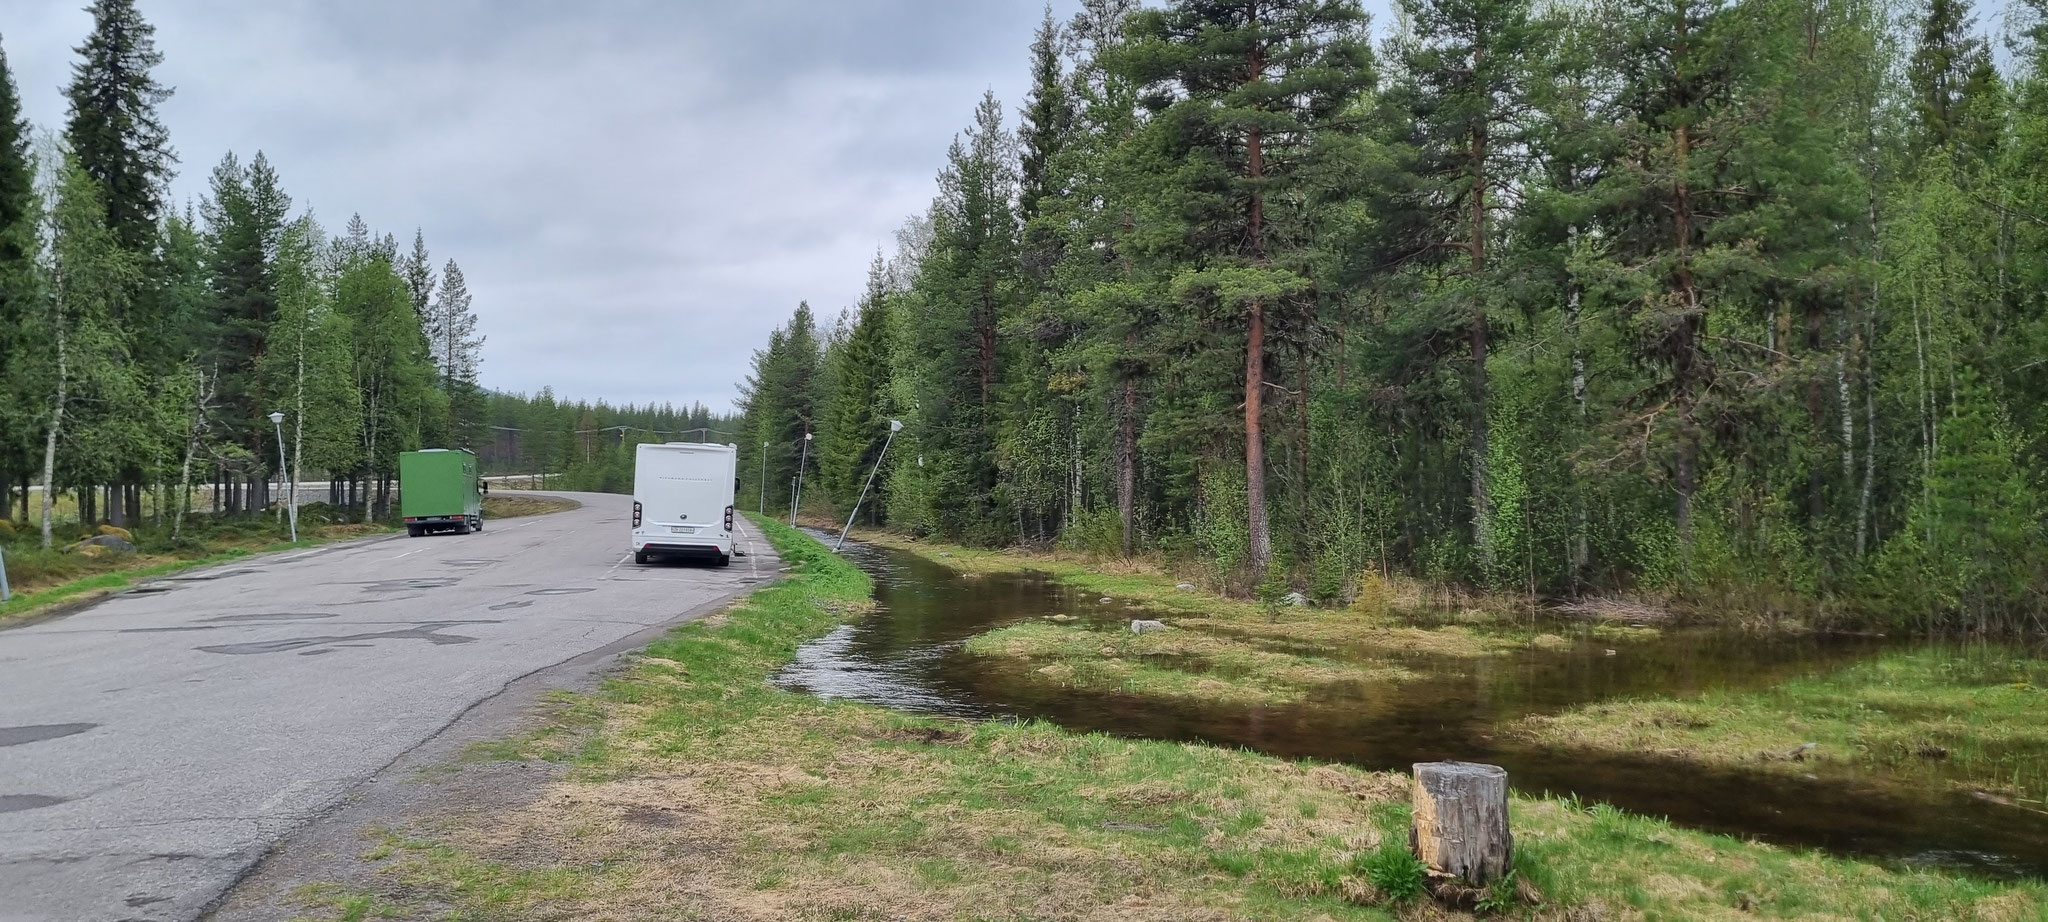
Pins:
x: 637, y: 191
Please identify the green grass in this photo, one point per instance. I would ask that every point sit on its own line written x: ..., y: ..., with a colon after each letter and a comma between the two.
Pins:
x: 1175, y: 663
x: 43, y: 577
x: 1970, y: 716
x: 705, y: 791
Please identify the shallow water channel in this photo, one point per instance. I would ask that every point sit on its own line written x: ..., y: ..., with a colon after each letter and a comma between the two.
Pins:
x: 906, y: 655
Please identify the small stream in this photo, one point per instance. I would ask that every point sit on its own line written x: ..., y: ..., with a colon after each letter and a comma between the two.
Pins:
x: 905, y: 655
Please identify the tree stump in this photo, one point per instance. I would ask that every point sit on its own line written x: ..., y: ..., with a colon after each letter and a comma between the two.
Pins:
x: 1460, y: 824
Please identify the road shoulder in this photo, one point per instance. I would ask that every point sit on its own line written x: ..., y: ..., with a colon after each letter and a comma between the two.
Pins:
x: 450, y: 774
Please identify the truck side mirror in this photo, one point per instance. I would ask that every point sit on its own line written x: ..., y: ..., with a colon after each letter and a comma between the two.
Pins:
x: 484, y: 484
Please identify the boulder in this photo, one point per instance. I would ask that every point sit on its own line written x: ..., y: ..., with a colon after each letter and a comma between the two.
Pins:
x: 116, y: 531
x: 1185, y: 587
x: 1062, y: 618
x: 1105, y: 600
x: 102, y: 544
x: 1147, y: 627
x: 1295, y: 598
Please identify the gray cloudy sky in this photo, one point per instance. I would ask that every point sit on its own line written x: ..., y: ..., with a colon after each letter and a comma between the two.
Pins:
x: 637, y: 191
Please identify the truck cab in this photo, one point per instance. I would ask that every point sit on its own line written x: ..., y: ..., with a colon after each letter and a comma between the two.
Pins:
x: 683, y: 501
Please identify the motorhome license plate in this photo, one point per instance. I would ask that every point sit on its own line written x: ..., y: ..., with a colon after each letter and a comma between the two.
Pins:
x: 679, y: 529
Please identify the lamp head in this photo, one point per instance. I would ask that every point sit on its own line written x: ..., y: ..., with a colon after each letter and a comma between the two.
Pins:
x: 895, y: 425
x: 276, y: 418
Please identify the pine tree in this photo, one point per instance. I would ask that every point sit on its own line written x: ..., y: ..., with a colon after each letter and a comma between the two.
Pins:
x: 1246, y: 94
x: 113, y: 128
x: 1469, y: 67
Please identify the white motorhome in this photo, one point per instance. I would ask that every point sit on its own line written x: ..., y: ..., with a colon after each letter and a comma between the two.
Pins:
x: 682, y: 501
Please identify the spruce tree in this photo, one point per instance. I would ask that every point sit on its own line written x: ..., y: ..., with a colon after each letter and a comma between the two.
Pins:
x: 1949, y: 72
x: 418, y: 270
x: 967, y: 283
x: 780, y: 400
x: 855, y: 414
x: 113, y: 128
x: 458, y: 351
x: 18, y: 284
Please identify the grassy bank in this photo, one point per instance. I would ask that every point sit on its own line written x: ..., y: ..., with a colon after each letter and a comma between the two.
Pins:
x: 695, y: 789
x: 1969, y: 716
x: 42, y: 577
x: 1172, y: 664
x: 501, y: 506
x: 1222, y: 648
x: 1387, y: 618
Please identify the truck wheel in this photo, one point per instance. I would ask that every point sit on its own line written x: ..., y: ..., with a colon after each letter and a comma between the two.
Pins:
x: 412, y: 531
x: 640, y: 557
x: 476, y: 524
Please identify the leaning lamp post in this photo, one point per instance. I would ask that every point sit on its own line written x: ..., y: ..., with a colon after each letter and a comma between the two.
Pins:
x: 895, y: 426
x: 798, y: 497
x: 284, y: 471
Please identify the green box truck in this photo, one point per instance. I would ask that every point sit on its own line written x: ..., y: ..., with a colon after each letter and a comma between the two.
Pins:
x: 438, y: 489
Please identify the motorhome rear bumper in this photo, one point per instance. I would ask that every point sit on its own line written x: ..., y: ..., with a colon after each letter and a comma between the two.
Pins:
x: 682, y: 550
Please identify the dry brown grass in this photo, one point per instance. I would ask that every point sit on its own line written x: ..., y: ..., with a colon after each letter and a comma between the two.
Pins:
x: 508, y: 506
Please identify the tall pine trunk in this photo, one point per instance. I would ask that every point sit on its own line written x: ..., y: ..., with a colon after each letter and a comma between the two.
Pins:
x: 1258, y: 537
x: 1482, y: 501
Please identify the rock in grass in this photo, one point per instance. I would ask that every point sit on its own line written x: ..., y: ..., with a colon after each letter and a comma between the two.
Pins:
x: 104, y: 544
x: 1295, y: 598
x: 1146, y: 627
x: 1185, y: 587
x: 1061, y: 618
x: 117, y: 531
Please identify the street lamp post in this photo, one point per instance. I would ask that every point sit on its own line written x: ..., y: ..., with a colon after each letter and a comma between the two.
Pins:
x: 895, y: 426
x: 799, y: 498
x: 284, y: 470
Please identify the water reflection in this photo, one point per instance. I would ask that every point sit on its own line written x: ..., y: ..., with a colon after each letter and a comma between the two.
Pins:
x: 906, y: 655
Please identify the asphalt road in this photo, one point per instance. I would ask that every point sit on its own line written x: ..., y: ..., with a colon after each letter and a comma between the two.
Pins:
x: 154, y: 746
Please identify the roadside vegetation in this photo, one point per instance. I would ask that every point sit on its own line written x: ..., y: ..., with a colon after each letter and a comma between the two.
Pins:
x: 508, y: 505
x: 1723, y: 306
x: 690, y: 787
x: 1222, y: 648
x: 66, y: 572
x: 1170, y: 663
x: 1969, y: 715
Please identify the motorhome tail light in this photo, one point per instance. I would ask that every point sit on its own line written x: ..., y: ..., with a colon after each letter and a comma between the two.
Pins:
x: 636, y: 513
x: 728, y: 518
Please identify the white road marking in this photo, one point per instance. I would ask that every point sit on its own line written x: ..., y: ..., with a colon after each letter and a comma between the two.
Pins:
x: 407, y: 553
x: 614, y: 567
